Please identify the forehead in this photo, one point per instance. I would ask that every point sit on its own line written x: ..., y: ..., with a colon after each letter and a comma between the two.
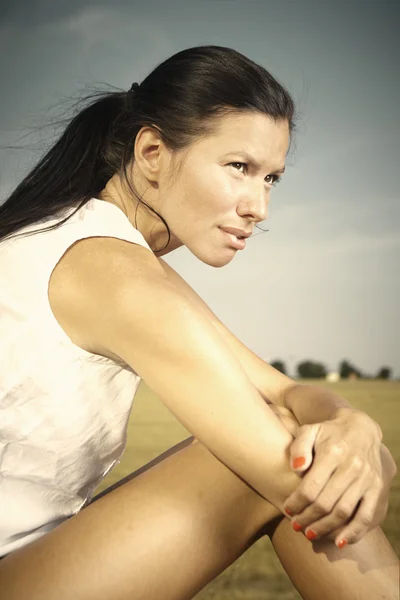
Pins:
x: 254, y: 133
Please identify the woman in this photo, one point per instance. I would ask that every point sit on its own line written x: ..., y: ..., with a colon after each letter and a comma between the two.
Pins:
x: 89, y: 308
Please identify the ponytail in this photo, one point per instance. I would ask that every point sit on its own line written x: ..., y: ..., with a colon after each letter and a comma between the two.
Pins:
x: 74, y: 170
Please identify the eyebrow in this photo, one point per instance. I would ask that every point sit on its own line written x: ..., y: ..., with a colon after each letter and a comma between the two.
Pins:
x: 252, y: 160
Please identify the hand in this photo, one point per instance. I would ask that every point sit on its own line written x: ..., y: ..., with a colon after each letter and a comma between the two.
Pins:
x: 344, y: 491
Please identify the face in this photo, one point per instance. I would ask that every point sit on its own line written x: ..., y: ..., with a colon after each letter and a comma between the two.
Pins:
x: 220, y: 187
x: 224, y: 181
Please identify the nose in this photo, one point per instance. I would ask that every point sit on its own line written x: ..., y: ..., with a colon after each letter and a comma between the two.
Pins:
x: 257, y: 206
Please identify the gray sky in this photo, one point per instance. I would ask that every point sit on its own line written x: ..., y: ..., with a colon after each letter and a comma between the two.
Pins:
x: 323, y: 283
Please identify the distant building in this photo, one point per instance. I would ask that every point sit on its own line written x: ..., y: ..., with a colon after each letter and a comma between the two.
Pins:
x: 353, y: 375
x: 333, y: 376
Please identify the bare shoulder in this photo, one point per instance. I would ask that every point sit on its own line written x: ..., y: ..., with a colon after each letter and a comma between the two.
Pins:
x: 89, y: 277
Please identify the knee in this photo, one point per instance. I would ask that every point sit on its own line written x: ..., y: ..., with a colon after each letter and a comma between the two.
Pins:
x: 269, y: 527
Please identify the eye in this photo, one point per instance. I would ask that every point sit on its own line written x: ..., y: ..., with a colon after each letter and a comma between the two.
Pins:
x: 276, y: 179
x: 273, y: 178
x: 238, y: 163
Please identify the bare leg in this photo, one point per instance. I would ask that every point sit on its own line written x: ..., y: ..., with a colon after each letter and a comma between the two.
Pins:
x: 174, y: 528
x: 164, y: 534
x: 368, y: 570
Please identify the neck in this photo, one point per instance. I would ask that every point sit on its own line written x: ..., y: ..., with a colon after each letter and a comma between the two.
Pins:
x: 141, y: 218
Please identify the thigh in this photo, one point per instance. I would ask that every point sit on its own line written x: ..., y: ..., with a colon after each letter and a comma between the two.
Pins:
x: 270, y: 516
x: 165, y: 533
x: 183, y: 444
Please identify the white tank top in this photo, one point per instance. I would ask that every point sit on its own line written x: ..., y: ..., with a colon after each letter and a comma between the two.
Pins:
x: 63, y: 411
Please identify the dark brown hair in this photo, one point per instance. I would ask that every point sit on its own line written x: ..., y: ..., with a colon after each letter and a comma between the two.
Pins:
x: 182, y: 98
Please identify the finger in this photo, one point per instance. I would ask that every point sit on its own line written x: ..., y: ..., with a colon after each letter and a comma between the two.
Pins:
x: 331, y: 526
x: 342, y: 513
x: 301, y: 449
x: 366, y: 518
x: 341, y: 480
x: 313, y: 482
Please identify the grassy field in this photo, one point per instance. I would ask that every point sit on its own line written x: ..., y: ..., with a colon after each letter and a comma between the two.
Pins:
x: 258, y: 574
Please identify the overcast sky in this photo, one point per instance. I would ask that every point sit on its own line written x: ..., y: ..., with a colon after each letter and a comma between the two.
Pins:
x: 323, y: 283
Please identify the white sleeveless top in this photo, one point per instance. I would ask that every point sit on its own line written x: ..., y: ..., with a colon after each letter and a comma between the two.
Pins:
x: 63, y: 411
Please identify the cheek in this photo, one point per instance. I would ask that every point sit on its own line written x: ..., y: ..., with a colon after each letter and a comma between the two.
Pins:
x: 220, y: 188
x: 208, y: 189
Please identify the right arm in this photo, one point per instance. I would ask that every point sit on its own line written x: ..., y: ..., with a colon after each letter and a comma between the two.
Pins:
x: 121, y: 302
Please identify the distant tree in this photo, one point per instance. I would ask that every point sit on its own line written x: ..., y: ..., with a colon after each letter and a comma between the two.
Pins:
x: 309, y: 369
x: 279, y: 365
x: 384, y: 373
x: 346, y: 369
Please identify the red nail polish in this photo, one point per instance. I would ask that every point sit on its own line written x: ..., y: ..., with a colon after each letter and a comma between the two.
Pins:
x: 311, y: 535
x: 288, y: 512
x: 298, y: 462
x: 342, y: 543
x: 296, y: 526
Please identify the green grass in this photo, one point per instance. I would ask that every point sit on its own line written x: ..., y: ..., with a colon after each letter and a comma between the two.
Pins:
x: 153, y: 429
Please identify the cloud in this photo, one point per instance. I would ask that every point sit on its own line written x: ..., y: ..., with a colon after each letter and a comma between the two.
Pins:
x: 101, y: 25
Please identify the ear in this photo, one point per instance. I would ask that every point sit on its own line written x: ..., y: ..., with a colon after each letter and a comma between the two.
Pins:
x: 150, y: 154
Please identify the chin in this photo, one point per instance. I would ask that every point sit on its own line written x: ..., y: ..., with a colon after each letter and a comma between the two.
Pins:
x: 217, y: 260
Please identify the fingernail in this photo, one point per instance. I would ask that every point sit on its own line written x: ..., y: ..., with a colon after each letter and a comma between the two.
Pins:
x: 296, y: 526
x: 311, y: 535
x: 288, y: 512
x: 342, y: 543
x: 298, y: 462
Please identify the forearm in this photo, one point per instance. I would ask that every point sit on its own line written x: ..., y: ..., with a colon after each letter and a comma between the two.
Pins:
x: 313, y: 404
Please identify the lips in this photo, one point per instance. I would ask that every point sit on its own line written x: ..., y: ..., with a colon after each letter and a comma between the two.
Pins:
x: 234, y: 241
x: 238, y: 232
